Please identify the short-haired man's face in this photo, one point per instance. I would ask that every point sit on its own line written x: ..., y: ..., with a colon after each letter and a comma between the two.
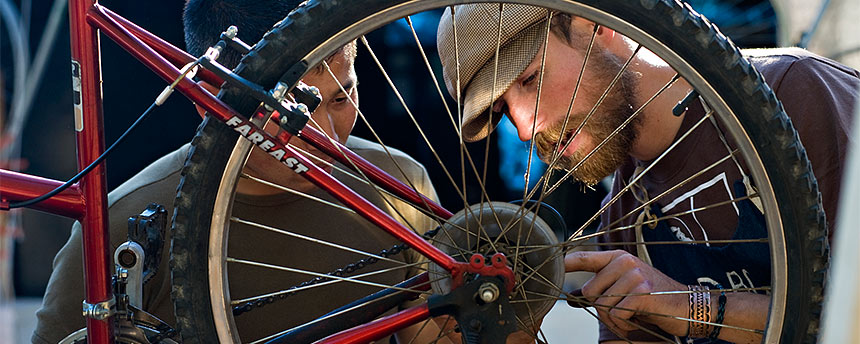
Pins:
x: 335, y: 116
x: 561, y: 71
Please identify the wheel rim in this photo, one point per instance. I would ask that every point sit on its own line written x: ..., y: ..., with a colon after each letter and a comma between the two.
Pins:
x: 220, y: 228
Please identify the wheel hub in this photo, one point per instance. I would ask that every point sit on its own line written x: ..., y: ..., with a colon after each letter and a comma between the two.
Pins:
x: 528, y: 242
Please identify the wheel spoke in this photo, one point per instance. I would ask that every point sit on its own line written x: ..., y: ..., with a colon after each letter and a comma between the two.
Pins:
x: 544, y: 297
x: 414, y: 121
x: 482, y: 180
x: 388, y: 153
x: 296, y: 192
x: 335, y: 314
x: 573, y: 99
x: 673, y: 188
x: 334, y: 279
x: 537, y: 283
x: 310, y: 239
x: 601, y: 144
x: 421, y: 329
x: 460, y: 192
x: 585, y: 301
x: 537, y: 105
x: 458, y: 96
x: 352, y: 175
x: 655, y: 243
x: 376, y: 188
x: 580, y: 240
x: 615, y: 132
x: 549, y: 169
x: 676, y: 292
x: 532, y: 141
x: 644, y: 172
x: 603, y: 96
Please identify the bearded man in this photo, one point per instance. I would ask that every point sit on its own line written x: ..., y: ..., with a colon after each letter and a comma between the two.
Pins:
x: 541, y: 85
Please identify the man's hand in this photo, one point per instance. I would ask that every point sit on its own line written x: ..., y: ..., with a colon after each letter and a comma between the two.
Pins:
x: 620, y: 291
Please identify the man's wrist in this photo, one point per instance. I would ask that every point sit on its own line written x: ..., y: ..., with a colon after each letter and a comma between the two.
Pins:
x: 719, y: 309
x: 700, y: 311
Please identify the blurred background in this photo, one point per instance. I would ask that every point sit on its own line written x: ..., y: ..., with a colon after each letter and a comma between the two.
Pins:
x: 36, y: 126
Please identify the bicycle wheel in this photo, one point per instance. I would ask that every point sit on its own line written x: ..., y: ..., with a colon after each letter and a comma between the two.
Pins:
x: 756, y: 138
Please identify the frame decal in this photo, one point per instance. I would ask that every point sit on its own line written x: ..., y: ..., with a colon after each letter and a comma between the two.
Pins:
x: 244, y: 129
x: 76, y: 95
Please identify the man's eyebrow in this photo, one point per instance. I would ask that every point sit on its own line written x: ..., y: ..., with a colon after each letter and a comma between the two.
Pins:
x: 347, y: 86
x: 529, y: 71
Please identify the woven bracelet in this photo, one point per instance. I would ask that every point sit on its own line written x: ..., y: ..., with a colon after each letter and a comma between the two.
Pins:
x: 721, y: 313
x: 700, y: 311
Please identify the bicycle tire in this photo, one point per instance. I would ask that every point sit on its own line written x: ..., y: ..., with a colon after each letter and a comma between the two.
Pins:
x: 288, y: 49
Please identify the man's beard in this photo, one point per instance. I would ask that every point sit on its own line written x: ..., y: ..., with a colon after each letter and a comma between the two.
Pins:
x: 613, y: 111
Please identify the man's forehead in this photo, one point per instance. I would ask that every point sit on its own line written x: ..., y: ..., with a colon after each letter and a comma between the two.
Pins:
x: 340, y: 67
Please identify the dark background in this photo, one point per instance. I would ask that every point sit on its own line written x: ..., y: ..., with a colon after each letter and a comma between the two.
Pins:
x: 48, y: 137
x: 129, y: 89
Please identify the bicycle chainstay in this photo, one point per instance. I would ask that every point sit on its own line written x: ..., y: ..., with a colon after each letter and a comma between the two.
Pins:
x: 341, y: 272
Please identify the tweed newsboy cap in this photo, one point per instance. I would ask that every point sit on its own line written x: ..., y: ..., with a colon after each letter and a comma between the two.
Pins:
x: 523, y: 30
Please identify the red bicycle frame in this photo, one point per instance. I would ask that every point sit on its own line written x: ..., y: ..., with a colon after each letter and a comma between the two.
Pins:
x: 87, y: 202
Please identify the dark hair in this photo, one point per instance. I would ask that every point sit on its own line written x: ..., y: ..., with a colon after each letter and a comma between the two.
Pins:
x: 204, y: 20
x: 560, y: 26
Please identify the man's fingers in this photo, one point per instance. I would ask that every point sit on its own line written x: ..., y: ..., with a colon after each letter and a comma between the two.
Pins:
x: 621, y: 269
x: 589, y: 260
x: 623, y: 318
x: 617, y: 294
x: 576, y: 299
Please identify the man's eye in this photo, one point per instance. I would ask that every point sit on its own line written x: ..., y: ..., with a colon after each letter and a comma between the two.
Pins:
x: 530, y: 80
x: 339, y: 100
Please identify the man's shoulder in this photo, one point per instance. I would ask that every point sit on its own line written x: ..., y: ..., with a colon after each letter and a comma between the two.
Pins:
x: 163, y: 174
x: 379, y: 154
x: 774, y: 63
x: 788, y: 55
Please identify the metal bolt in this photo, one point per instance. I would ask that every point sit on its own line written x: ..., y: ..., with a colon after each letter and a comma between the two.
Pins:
x: 279, y: 91
x: 127, y: 258
x: 302, y: 107
x: 232, y: 31
x: 314, y: 90
x: 488, y: 292
x: 475, y: 324
x: 283, y: 120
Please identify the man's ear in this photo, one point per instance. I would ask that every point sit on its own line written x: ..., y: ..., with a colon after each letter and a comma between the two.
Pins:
x: 212, y: 89
x: 605, y: 35
x: 606, y: 32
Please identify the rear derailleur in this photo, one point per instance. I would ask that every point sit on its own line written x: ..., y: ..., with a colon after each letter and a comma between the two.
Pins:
x: 136, y: 262
x: 481, y: 307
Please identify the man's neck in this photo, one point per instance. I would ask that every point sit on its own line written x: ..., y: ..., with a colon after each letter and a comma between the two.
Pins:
x: 658, y: 126
x: 249, y: 187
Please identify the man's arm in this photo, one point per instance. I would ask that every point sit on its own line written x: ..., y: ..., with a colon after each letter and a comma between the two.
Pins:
x: 618, y: 273
x: 60, y: 314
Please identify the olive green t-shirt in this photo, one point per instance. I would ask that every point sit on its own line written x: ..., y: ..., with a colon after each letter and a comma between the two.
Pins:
x: 60, y: 313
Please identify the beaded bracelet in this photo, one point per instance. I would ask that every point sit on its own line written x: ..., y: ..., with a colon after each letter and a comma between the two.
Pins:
x: 721, y: 313
x: 700, y: 311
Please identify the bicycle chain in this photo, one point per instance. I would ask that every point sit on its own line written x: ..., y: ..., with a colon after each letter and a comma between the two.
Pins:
x: 341, y: 272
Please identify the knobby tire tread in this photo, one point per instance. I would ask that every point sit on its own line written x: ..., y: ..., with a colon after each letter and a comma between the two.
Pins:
x: 689, y: 35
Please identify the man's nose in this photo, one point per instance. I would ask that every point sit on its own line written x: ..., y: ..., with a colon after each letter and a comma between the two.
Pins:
x: 524, y: 121
x: 327, y: 124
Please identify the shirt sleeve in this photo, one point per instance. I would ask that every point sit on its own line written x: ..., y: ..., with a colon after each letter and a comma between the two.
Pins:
x: 63, y: 295
x: 819, y: 96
